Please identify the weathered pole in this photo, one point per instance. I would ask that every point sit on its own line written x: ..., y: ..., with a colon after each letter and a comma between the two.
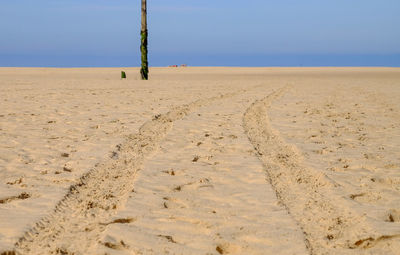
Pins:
x: 144, y: 71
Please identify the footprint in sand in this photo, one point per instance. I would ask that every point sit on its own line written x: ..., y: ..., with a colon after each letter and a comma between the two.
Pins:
x: 9, y: 199
x: 170, y: 172
x: 227, y: 248
x: 112, y: 243
x: 393, y: 215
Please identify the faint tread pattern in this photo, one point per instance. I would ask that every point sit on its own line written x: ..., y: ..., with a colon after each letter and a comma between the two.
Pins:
x: 79, y: 218
x: 329, y: 224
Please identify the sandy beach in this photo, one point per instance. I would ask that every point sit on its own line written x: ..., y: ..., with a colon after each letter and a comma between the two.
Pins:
x: 200, y: 160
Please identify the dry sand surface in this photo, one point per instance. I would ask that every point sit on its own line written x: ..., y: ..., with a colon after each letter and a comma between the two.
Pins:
x: 200, y: 161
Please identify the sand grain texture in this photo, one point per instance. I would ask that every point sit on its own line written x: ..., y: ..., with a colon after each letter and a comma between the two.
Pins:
x: 200, y: 161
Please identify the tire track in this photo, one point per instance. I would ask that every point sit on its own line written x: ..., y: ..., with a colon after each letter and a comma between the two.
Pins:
x: 329, y: 224
x: 205, y: 193
x: 80, y: 217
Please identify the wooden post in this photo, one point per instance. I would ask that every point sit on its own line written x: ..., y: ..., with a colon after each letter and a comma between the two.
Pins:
x: 144, y: 70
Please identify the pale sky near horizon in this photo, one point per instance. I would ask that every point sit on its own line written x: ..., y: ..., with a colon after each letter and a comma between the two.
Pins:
x: 110, y: 28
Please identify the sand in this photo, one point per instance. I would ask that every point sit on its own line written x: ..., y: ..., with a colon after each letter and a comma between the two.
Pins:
x: 200, y: 161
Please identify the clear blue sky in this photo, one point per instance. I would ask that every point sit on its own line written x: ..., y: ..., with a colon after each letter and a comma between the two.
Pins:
x: 202, y: 32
